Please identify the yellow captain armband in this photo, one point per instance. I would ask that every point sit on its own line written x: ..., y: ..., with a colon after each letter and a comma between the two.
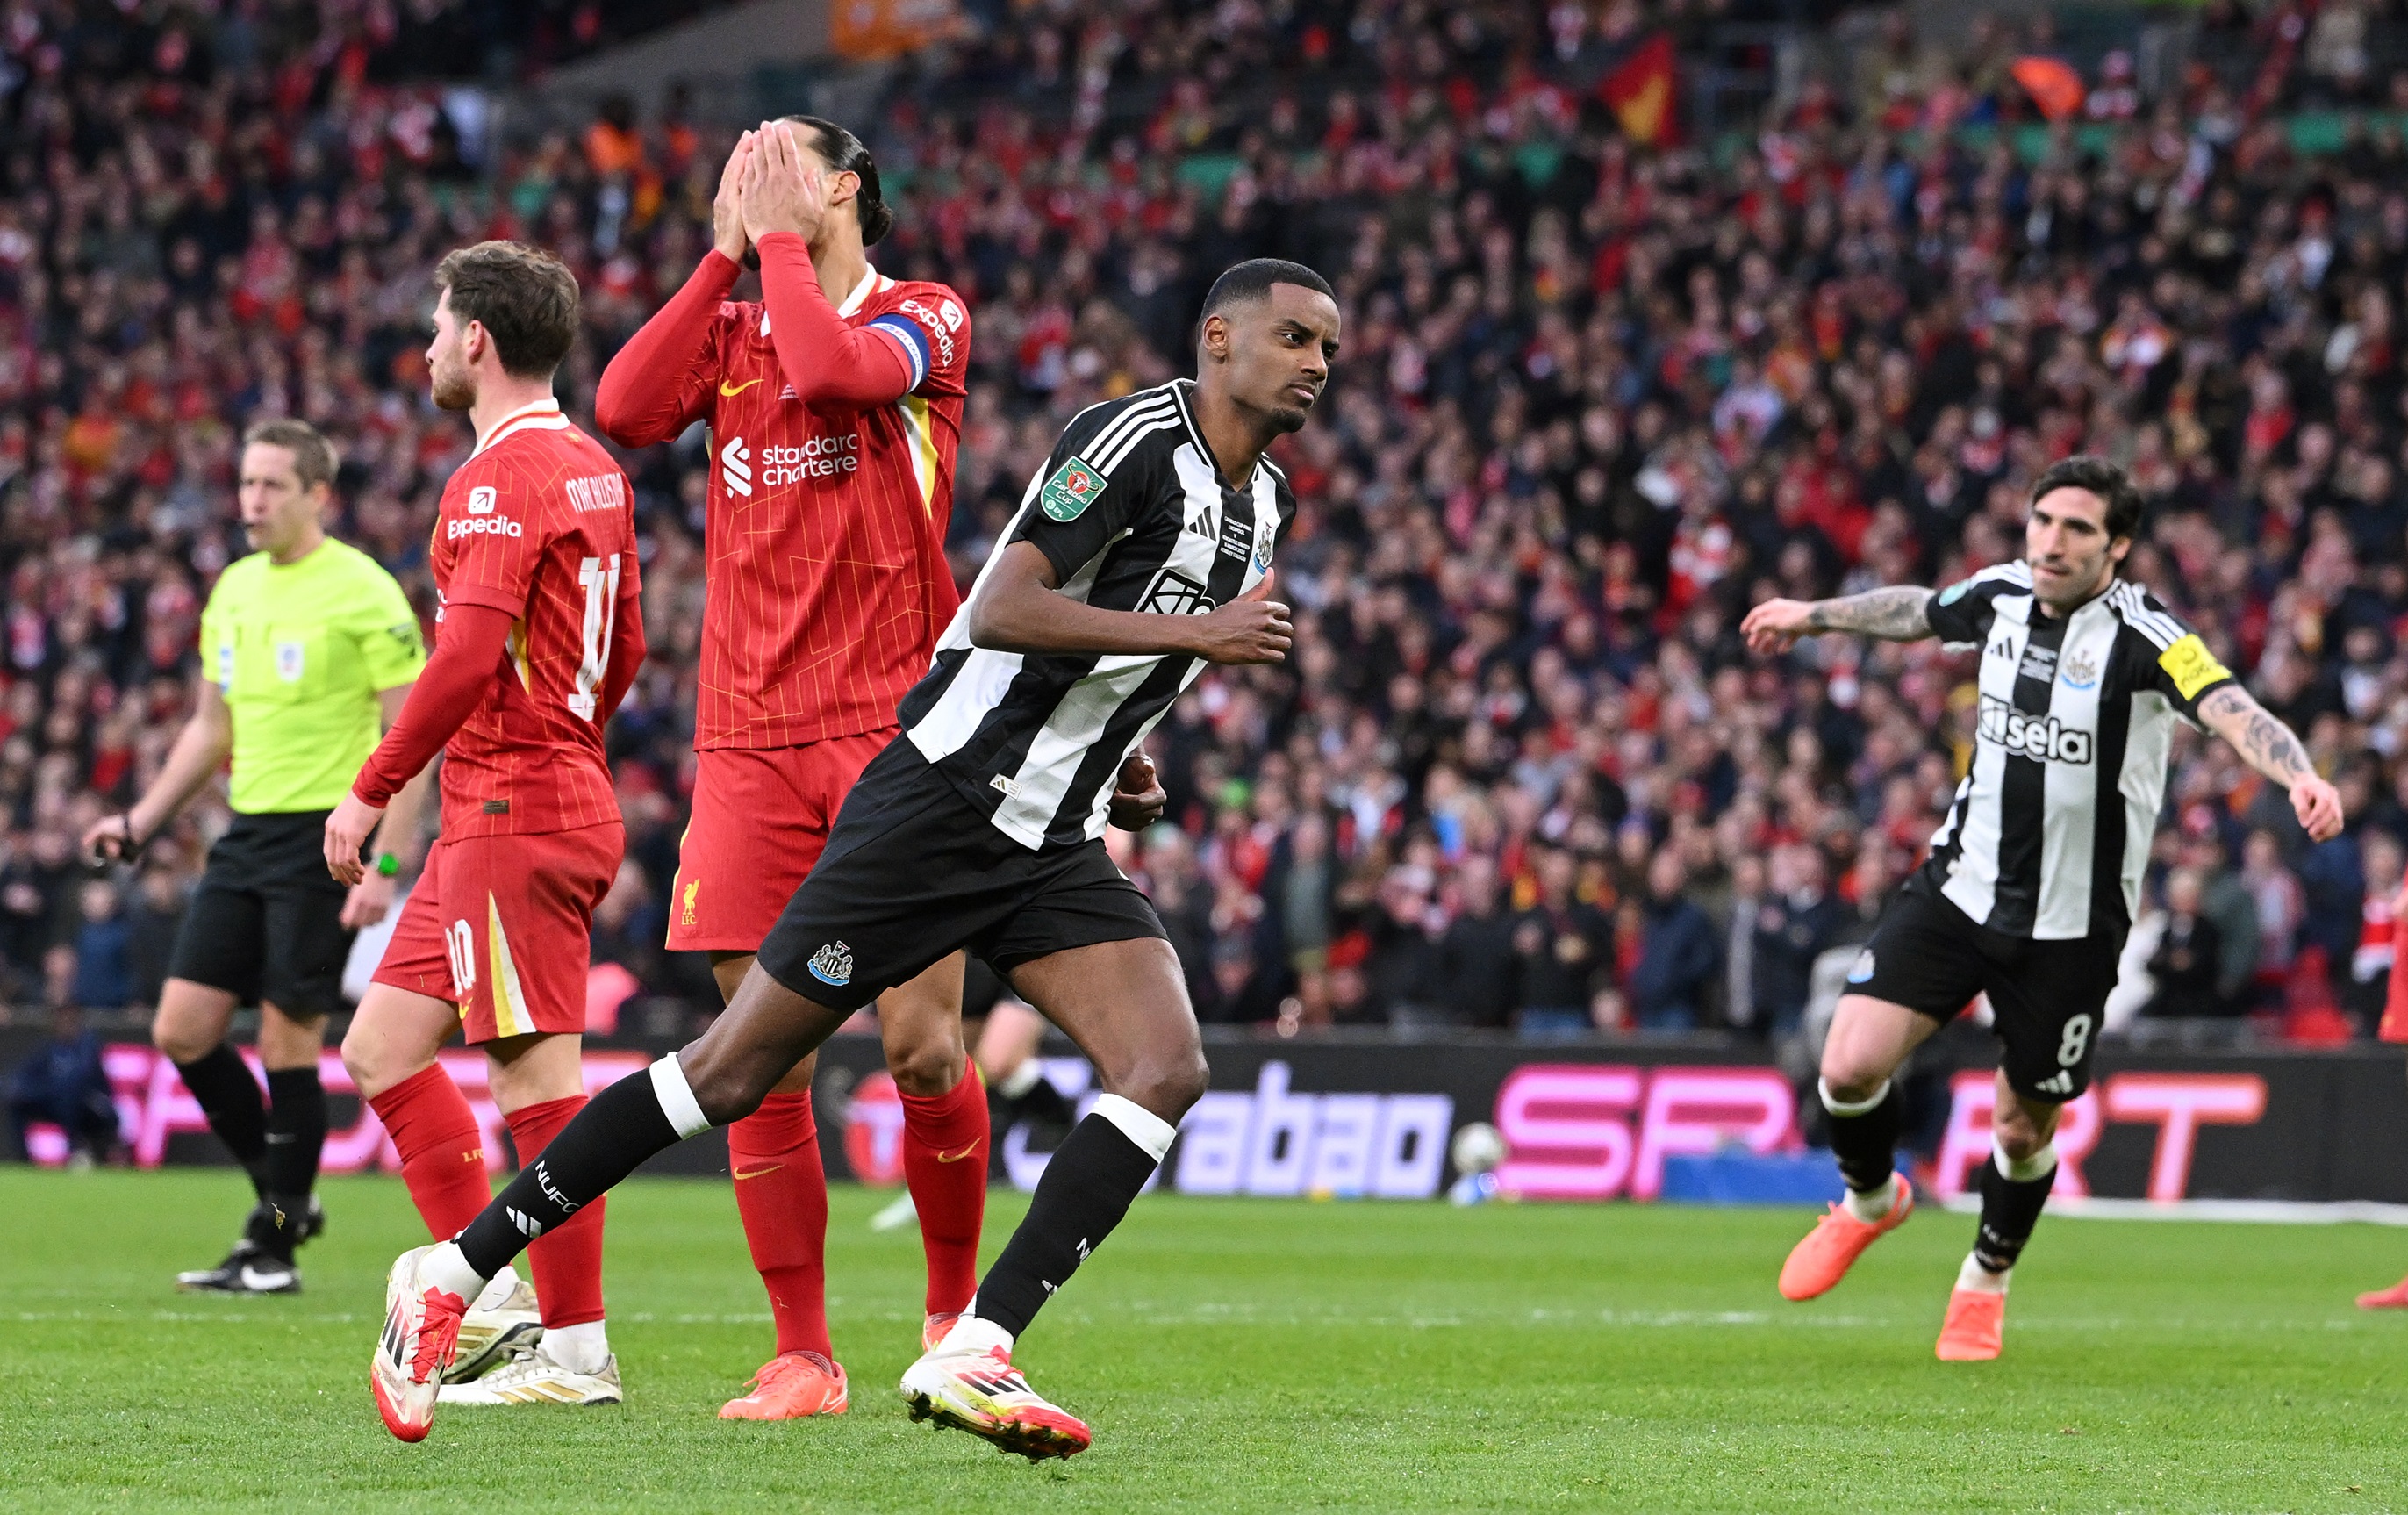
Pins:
x: 2191, y: 666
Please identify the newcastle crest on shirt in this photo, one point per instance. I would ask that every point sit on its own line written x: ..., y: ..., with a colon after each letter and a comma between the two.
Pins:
x: 1075, y: 486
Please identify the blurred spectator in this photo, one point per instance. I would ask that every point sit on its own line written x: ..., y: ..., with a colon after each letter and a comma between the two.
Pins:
x: 1563, y: 951
x: 63, y: 1083
x: 1797, y: 922
x: 156, y: 912
x: 1677, y: 952
x: 104, y: 966
x: 2187, y: 963
x: 2278, y: 903
x: 1476, y: 956
x: 2372, y: 964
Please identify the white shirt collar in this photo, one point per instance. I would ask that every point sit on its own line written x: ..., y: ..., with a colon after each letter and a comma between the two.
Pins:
x: 543, y: 412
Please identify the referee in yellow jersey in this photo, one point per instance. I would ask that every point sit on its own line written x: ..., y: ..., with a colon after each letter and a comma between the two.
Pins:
x: 308, y: 649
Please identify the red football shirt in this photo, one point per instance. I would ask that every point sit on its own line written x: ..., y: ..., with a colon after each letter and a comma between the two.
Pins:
x: 825, y: 539
x: 539, y: 523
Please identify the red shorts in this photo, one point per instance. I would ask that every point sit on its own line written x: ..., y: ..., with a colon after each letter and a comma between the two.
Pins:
x: 503, y: 926
x: 761, y: 817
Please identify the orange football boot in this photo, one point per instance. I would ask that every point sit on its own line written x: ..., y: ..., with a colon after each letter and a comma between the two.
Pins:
x: 1977, y: 1321
x: 2393, y: 1298
x: 1828, y: 1250
x: 790, y: 1386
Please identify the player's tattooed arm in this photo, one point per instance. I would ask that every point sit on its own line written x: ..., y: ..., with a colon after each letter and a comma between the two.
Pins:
x: 2274, y: 750
x: 1892, y: 614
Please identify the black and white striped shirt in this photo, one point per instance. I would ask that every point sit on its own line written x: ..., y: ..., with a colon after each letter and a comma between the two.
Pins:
x: 2049, y: 833
x: 1130, y: 510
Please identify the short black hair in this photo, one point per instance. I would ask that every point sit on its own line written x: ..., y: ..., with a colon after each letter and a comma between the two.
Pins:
x: 844, y: 152
x: 1252, y: 278
x: 2106, y: 480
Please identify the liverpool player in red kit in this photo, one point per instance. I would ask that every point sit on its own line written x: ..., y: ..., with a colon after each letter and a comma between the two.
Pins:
x: 541, y: 633
x: 835, y: 406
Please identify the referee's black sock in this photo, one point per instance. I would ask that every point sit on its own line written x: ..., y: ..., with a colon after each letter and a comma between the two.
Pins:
x: 297, y: 1134
x: 610, y: 1138
x: 1087, y: 1187
x: 229, y: 1096
x: 2011, y: 1196
x: 1864, y: 1136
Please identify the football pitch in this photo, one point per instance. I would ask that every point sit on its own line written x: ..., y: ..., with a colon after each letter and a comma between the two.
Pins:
x: 1244, y: 1355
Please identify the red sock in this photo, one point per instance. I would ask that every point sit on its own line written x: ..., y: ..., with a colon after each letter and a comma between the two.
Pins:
x: 944, y: 1161
x: 566, y: 1260
x: 442, y: 1151
x: 782, y: 1193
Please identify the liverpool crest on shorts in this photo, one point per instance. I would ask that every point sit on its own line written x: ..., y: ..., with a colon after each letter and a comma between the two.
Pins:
x: 1075, y: 486
x: 833, y: 964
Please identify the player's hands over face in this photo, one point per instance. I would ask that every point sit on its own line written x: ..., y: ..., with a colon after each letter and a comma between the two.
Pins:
x: 727, y: 207
x: 1775, y: 625
x: 1252, y: 628
x: 368, y: 902
x: 347, y: 831
x: 1138, y: 799
x: 785, y: 188
x: 2317, y: 804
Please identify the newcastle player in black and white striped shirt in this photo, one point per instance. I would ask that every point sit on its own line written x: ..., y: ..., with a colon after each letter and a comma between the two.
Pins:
x: 1141, y: 552
x: 2034, y: 875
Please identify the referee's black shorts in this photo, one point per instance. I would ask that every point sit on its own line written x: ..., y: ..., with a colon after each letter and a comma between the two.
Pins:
x: 2046, y: 998
x: 265, y: 924
x: 913, y: 870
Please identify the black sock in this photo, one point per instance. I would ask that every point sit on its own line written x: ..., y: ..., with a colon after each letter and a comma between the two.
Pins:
x: 1086, y: 1190
x: 296, y: 1132
x: 2010, y: 1208
x: 609, y: 1139
x: 229, y: 1096
x: 1867, y: 1144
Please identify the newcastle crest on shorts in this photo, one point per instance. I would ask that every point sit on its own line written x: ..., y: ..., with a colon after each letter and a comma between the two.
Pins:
x: 1075, y: 486
x: 833, y: 964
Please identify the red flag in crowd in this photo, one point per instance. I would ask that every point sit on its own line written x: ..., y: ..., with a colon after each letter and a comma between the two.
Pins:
x: 2054, y: 86
x: 1639, y: 91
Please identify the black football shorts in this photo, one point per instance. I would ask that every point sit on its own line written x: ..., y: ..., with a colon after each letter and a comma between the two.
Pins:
x: 2046, y: 998
x: 266, y: 921
x: 913, y: 870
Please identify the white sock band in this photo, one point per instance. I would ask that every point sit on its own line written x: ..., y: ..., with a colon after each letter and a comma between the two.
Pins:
x: 1976, y: 1278
x: 677, y: 1098
x: 1841, y: 1107
x: 582, y: 1348
x: 1020, y: 1080
x: 2039, y: 1165
x: 1150, y: 1131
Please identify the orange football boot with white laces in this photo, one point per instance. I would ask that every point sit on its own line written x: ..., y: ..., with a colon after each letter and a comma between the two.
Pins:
x: 789, y: 1387
x: 1828, y: 1250
x: 1975, y: 1328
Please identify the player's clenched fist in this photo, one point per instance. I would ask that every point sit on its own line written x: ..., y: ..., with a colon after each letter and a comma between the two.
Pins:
x: 1252, y: 628
x: 1775, y: 625
x: 1137, y: 796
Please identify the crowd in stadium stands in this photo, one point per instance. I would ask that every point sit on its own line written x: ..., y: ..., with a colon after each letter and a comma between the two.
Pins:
x: 1597, y: 396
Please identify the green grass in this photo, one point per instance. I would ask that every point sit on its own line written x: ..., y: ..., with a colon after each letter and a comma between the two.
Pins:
x: 1244, y: 1355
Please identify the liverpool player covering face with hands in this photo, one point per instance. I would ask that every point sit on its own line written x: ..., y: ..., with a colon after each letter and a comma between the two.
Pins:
x: 2034, y: 875
x: 835, y: 407
x: 1141, y: 551
x: 534, y: 557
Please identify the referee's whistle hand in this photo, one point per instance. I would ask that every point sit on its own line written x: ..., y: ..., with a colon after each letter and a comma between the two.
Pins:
x: 346, y: 833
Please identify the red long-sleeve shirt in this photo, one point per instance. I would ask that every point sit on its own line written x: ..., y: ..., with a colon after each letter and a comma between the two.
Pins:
x: 833, y: 431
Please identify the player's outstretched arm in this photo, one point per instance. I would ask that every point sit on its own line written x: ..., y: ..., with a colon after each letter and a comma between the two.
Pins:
x: 199, y: 751
x: 1015, y: 609
x: 1892, y: 614
x: 2273, y: 750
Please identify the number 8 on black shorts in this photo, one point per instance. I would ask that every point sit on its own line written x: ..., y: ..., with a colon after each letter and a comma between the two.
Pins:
x: 2046, y: 997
